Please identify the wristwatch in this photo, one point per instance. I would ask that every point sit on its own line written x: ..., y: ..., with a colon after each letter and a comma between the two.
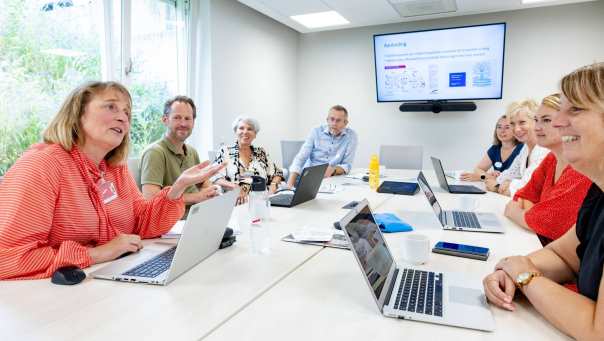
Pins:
x: 524, y: 278
x: 483, y: 177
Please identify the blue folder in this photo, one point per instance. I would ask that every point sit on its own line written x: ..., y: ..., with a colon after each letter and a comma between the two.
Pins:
x: 389, y: 223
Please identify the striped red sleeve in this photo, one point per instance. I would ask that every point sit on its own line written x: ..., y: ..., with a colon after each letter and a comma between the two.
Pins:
x: 26, y: 220
x: 155, y: 216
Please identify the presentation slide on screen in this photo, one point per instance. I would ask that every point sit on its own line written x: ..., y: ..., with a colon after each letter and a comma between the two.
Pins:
x: 460, y: 63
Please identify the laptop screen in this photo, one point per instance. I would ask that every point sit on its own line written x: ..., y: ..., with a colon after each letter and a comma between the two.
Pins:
x: 370, y: 248
x: 423, y: 184
x: 440, y: 173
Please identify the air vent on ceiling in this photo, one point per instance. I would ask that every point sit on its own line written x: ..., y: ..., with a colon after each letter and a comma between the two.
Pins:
x: 414, y: 8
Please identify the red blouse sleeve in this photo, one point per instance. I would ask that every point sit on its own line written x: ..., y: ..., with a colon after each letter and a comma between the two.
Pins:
x: 27, y: 203
x: 532, y: 190
x: 556, y: 214
x: 155, y: 216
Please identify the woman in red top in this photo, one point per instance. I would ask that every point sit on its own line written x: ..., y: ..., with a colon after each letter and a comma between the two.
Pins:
x: 71, y: 200
x: 550, y: 201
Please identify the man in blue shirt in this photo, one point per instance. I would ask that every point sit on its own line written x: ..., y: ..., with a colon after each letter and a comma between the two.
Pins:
x: 332, y: 143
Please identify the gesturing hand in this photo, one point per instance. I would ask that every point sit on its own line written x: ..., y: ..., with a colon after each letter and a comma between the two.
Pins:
x: 192, y: 176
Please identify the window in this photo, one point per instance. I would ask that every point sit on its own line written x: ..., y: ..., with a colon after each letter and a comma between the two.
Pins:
x: 47, y: 48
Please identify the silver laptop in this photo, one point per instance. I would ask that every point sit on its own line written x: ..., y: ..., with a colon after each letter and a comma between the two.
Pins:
x: 422, y: 295
x: 460, y: 220
x: 160, y: 264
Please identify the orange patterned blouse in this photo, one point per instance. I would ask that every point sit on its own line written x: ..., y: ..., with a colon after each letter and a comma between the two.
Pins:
x: 51, y: 212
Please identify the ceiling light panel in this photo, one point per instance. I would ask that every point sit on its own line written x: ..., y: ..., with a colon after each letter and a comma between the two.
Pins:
x: 320, y: 19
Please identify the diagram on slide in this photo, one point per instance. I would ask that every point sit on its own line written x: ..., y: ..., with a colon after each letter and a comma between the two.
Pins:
x: 482, y: 74
x: 406, y: 79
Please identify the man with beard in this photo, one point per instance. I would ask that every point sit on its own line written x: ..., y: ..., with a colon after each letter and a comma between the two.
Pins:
x: 164, y: 161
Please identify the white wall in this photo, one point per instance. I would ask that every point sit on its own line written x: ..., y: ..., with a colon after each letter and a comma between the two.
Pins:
x: 254, y: 72
x: 542, y: 44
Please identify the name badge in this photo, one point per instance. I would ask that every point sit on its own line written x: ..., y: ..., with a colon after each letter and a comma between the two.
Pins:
x: 107, y: 191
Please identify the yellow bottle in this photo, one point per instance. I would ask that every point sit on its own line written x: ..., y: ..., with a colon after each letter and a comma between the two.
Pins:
x: 374, y: 172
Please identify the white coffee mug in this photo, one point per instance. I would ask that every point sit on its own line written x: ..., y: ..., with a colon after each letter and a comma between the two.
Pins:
x: 416, y: 248
x: 468, y: 203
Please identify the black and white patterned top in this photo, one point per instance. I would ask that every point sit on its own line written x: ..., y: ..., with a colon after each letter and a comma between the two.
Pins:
x: 237, y: 172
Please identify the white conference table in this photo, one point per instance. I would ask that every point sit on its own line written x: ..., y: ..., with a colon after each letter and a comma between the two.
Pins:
x: 189, y: 307
x: 328, y: 299
x: 297, y: 292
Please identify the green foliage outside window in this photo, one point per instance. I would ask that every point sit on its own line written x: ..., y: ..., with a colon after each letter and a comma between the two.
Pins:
x: 35, y: 79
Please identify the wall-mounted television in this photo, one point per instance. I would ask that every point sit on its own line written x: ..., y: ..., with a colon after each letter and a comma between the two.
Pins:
x: 458, y: 63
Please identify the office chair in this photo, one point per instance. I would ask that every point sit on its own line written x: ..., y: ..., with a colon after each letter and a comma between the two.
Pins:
x: 401, y: 157
x: 289, y: 150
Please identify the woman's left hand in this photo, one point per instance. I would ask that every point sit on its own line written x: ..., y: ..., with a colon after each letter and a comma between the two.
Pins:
x: 242, y: 199
x: 192, y: 176
x: 512, y: 208
x: 504, y: 188
x: 272, y: 188
x: 491, y: 185
x: 515, y: 265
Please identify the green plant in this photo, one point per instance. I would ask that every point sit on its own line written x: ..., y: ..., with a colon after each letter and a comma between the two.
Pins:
x: 146, y: 126
x: 15, y: 139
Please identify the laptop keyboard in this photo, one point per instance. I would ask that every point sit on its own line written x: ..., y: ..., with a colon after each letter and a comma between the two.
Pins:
x: 282, y: 199
x: 154, y: 266
x: 420, y: 292
x: 465, y: 219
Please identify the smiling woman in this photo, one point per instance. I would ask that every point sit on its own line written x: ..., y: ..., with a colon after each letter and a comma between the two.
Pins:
x: 71, y: 199
x: 522, y: 120
x: 244, y: 160
x: 579, y: 253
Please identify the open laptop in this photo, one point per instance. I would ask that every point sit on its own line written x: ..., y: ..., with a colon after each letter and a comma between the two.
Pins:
x: 460, y: 220
x: 438, y: 297
x: 455, y: 189
x: 308, y: 186
x: 200, y: 238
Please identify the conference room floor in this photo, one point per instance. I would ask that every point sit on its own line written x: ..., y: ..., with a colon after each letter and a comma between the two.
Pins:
x: 301, y: 292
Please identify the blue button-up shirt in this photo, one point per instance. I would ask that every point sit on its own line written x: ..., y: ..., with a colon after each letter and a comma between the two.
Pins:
x: 321, y: 147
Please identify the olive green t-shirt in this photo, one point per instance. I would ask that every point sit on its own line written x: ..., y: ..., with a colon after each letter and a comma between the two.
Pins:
x: 162, y: 164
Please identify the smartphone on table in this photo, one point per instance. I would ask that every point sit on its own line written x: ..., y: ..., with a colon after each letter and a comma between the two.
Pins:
x: 461, y: 250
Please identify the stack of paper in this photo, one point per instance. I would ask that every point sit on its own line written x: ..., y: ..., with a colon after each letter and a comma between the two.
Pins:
x: 330, y: 188
x: 175, y: 231
x: 318, y: 236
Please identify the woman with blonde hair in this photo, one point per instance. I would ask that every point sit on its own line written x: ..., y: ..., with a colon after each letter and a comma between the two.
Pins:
x: 550, y: 201
x: 71, y: 201
x: 522, y: 118
x: 579, y: 253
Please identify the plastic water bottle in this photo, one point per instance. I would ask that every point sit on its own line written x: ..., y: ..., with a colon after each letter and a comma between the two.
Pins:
x: 259, y: 208
x: 374, y: 172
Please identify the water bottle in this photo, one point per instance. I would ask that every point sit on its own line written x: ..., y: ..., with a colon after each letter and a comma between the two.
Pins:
x: 259, y: 209
x: 374, y: 172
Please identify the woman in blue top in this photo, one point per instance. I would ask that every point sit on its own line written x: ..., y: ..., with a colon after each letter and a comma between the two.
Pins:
x: 499, y: 156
